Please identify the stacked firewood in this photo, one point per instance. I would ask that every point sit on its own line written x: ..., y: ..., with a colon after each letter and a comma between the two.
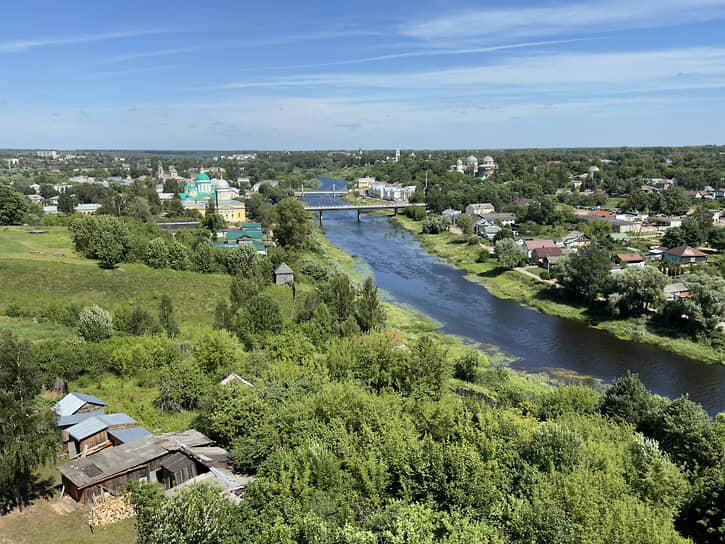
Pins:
x: 110, y: 511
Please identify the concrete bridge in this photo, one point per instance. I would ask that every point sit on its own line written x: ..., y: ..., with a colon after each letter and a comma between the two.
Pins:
x: 395, y: 206
x: 333, y: 193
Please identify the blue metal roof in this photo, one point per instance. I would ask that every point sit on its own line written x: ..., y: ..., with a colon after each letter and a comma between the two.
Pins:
x: 129, y: 434
x: 96, y: 424
x: 67, y: 421
x: 73, y: 402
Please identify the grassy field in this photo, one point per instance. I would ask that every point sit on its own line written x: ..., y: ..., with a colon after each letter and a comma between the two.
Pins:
x: 33, y: 281
x: 510, y: 284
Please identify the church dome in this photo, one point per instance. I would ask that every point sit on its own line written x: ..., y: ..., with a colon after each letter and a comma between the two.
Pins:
x: 471, y: 159
x: 221, y: 184
x: 202, y: 177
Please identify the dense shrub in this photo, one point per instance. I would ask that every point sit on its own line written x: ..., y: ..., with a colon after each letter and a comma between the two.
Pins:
x: 95, y: 324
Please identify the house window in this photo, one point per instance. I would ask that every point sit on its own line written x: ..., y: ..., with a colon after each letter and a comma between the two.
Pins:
x: 692, y: 259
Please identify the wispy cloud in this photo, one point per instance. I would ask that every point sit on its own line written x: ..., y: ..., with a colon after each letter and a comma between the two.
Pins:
x: 567, y: 18
x: 432, y: 53
x: 150, y: 54
x: 23, y: 45
x: 563, y: 71
x: 266, y: 42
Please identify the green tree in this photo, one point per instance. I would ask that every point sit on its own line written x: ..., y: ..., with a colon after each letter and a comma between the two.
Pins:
x: 292, y: 227
x: 584, y: 273
x: 215, y: 350
x: 13, y: 206
x: 638, y: 289
x: 716, y: 238
x: 466, y: 367
x: 157, y: 253
x: 674, y: 201
x: 509, y: 253
x: 29, y: 437
x: 465, y: 223
x: 197, y: 514
x: 706, y: 307
x: 95, y: 324
x: 66, y: 202
x: 260, y: 316
x: 674, y: 237
x: 181, y: 386
x: 369, y: 311
x: 212, y: 220
x: 628, y: 400
x: 166, y: 316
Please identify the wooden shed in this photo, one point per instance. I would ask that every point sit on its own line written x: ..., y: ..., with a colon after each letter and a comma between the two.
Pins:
x: 283, y: 274
x: 176, y: 470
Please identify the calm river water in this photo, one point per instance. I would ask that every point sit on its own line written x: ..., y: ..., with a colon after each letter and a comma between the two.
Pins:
x: 538, y: 342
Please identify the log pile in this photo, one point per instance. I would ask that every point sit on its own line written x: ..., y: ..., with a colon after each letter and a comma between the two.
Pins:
x: 110, y: 510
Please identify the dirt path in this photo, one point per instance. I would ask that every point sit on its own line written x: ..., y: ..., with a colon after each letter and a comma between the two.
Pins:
x: 532, y: 275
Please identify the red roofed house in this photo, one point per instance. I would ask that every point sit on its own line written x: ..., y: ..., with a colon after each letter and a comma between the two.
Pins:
x: 684, y: 256
x: 531, y: 245
x: 631, y: 259
x: 547, y: 256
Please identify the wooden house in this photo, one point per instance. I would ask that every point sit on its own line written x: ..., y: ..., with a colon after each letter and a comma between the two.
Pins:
x: 77, y: 403
x: 142, y: 460
x: 684, y: 256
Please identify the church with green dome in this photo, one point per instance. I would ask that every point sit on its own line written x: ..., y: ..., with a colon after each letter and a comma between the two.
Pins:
x: 198, y: 193
x: 201, y: 188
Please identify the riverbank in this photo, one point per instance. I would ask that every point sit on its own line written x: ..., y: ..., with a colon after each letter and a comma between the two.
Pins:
x: 545, y: 298
x: 412, y: 324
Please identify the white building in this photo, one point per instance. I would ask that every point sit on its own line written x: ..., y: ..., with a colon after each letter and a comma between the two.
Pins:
x: 47, y: 154
x: 487, y: 167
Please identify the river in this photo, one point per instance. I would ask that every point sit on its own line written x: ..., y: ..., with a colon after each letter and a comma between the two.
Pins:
x: 537, y: 342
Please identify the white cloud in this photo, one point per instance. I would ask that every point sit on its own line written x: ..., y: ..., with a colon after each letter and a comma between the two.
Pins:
x: 566, y: 18
x: 23, y: 45
x: 541, y: 73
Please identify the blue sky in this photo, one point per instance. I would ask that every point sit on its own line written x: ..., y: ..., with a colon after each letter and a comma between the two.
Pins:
x: 319, y: 75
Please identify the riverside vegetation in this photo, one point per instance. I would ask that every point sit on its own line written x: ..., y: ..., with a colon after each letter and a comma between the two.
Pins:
x: 358, y: 429
x: 502, y: 281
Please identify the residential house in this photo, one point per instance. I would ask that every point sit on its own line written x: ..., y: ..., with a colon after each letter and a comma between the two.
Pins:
x: 505, y: 219
x: 574, y: 239
x: 453, y: 214
x: 676, y: 291
x: 547, y: 257
x: 480, y: 209
x: 170, y: 459
x: 486, y: 229
x: 531, y: 245
x: 684, y: 256
x: 625, y: 226
x: 631, y: 259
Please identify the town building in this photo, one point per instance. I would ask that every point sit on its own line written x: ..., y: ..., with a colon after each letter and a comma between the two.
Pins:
x: 480, y: 209
x: 684, y: 256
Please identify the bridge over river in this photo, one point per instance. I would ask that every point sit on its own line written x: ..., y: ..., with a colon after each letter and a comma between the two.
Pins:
x: 395, y: 206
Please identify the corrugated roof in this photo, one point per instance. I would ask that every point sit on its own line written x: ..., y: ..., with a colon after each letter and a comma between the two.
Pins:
x: 67, y: 421
x: 127, y: 456
x: 73, y: 402
x: 96, y: 424
x: 129, y: 434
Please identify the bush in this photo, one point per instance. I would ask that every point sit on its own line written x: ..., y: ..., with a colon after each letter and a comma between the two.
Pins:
x: 553, y: 448
x: 415, y: 212
x: 95, y: 324
x: 545, y: 275
x: 566, y: 399
x: 466, y: 367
